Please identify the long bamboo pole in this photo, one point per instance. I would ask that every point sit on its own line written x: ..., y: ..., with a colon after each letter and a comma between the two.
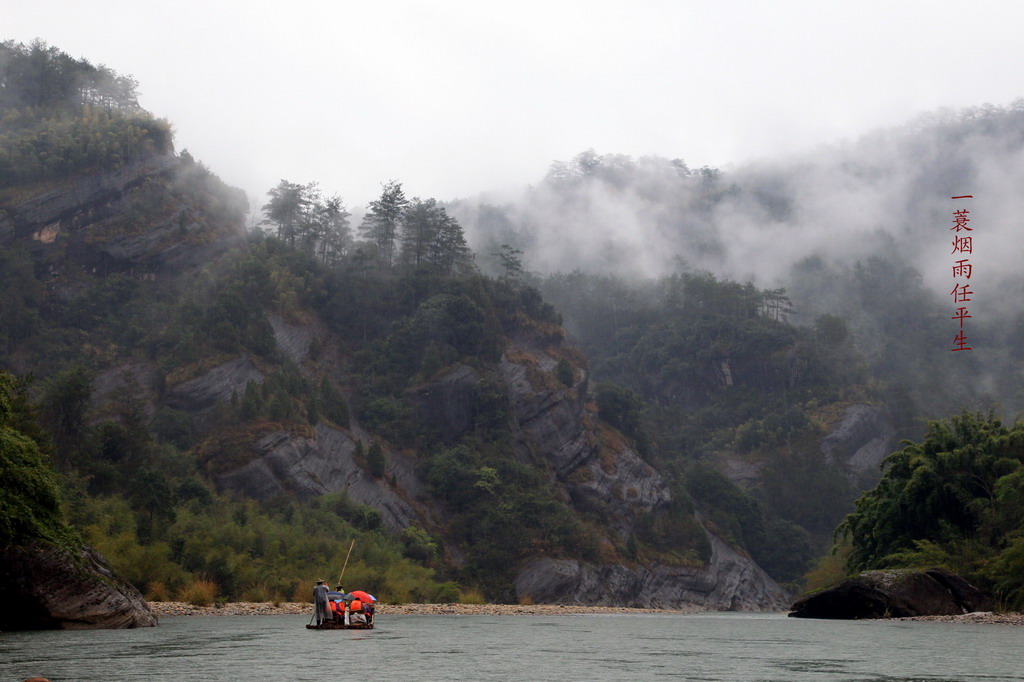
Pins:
x: 342, y: 576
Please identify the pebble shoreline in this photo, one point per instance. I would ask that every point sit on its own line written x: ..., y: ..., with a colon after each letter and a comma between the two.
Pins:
x: 982, y: 617
x: 167, y: 609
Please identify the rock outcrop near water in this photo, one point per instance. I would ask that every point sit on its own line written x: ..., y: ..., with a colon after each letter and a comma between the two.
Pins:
x: 894, y: 594
x: 43, y: 587
x: 729, y: 582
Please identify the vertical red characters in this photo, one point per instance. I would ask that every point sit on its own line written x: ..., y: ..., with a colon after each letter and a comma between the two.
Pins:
x: 962, y: 270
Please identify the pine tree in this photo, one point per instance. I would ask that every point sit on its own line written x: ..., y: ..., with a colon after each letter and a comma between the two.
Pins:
x: 419, y: 231
x: 382, y: 221
x: 286, y: 209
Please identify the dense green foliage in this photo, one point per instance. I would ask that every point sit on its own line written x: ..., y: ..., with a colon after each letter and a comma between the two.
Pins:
x: 304, y: 218
x: 503, y: 512
x: 138, y: 487
x: 955, y: 499
x: 902, y: 338
x: 37, y: 144
x: 39, y: 75
x: 250, y: 552
x: 29, y: 497
x: 60, y: 116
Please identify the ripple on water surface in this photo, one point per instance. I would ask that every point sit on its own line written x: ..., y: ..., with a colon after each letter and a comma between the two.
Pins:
x: 571, y: 647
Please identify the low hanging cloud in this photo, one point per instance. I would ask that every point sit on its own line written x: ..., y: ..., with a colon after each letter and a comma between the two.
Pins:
x: 885, y: 194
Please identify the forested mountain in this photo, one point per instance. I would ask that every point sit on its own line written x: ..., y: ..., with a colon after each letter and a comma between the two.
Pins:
x: 843, y: 303
x: 860, y: 231
x: 228, y: 409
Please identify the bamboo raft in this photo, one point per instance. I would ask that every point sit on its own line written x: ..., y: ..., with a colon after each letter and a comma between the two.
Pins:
x: 338, y: 625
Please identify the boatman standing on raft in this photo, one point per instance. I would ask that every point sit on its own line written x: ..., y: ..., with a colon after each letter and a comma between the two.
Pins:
x: 320, y: 602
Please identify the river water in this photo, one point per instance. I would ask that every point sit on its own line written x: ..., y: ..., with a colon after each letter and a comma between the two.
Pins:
x: 706, y: 646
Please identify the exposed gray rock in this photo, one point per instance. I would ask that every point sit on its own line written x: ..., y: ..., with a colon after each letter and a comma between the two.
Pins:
x: 549, y: 417
x: 552, y: 423
x: 729, y: 582
x: 861, y: 440
x: 89, y: 218
x: 294, y: 339
x: 742, y: 472
x: 216, y: 386
x: 623, y: 484
x: 161, y: 248
x: 305, y: 467
x: 894, y: 594
x: 45, y: 587
x: 595, y: 469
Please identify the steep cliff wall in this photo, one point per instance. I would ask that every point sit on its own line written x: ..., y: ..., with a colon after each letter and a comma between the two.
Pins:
x: 599, y: 470
x: 859, y: 441
x: 152, y: 217
x: 286, y: 464
x: 553, y: 427
x: 552, y: 423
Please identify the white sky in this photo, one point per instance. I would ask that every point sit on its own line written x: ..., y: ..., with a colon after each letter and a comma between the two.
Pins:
x: 454, y: 98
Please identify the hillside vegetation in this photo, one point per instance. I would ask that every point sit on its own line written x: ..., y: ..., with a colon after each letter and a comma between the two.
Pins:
x: 955, y: 500
x: 227, y: 411
x: 123, y: 305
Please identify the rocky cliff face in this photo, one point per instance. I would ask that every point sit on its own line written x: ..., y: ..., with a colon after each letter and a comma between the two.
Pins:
x: 855, y: 443
x: 215, y: 386
x: 157, y: 218
x: 598, y: 469
x: 552, y: 424
x: 137, y: 218
x: 287, y: 464
x: 859, y: 442
x: 45, y: 587
x: 729, y: 582
x: 553, y: 427
x: 72, y: 208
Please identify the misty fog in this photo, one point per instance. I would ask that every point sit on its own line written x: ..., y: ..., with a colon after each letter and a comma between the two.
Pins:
x: 859, y: 229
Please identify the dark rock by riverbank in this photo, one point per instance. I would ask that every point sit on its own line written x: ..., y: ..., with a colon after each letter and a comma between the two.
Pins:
x: 894, y: 594
x: 43, y: 587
